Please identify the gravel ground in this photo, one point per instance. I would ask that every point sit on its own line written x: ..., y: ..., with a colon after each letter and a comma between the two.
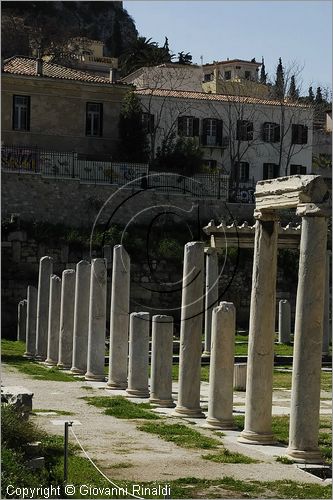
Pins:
x: 111, y: 441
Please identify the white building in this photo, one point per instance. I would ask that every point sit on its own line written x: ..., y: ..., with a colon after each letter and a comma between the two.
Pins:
x: 249, y: 138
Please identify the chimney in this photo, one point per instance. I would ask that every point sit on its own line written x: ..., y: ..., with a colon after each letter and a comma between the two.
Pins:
x: 113, y: 75
x: 39, y: 66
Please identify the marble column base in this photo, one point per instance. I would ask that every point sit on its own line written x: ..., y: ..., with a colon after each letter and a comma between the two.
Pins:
x: 215, y: 423
x: 94, y: 377
x: 302, y: 456
x: 137, y: 393
x: 164, y: 403
x: 249, y: 437
x: 39, y: 357
x: 182, y: 412
x: 61, y: 366
x: 50, y: 362
x: 116, y: 386
x: 77, y: 371
x: 206, y: 353
x: 28, y: 355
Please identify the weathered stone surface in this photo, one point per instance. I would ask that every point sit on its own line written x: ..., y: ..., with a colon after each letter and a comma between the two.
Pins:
x: 31, y: 322
x: 288, y: 192
x: 45, y: 271
x: 240, y: 370
x: 211, y: 293
x: 81, y: 317
x: 161, y: 361
x: 21, y: 320
x: 66, y: 319
x: 119, y: 319
x: 221, y: 372
x: 188, y: 403
x: 97, y: 321
x: 327, y: 327
x: 259, y: 383
x: 138, y: 355
x: 308, y: 337
x: 284, y: 322
x: 19, y: 397
x: 54, y: 321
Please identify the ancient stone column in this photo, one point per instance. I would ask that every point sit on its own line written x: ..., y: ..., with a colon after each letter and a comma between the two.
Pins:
x: 21, y: 320
x: 45, y: 271
x: 138, y: 355
x: 284, y: 322
x: 97, y: 321
x: 259, y: 382
x: 54, y: 321
x: 66, y: 319
x: 31, y: 322
x: 188, y: 404
x: 81, y: 318
x: 211, y: 293
x: 119, y: 319
x: 327, y: 327
x: 161, y: 361
x: 240, y: 370
x: 221, y: 372
x: 308, y: 337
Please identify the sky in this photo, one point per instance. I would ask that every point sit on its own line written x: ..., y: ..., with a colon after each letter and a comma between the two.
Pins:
x: 300, y: 32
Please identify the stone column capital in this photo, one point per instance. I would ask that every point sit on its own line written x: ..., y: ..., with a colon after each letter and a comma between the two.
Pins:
x: 265, y: 215
x: 314, y: 210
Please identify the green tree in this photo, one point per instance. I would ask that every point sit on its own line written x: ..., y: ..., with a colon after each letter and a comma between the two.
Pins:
x: 293, y: 92
x: 311, y: 94
x: 263, y: 75
x: 179, y: 155
x: 143, y: 52
x: 279, y: 81
x: 133, y: 144
x: 184, y: 58
x: 319, y: 96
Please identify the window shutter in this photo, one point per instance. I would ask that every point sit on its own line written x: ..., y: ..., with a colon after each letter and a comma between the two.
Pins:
x: 151, y: 123
x: 303, y: 170
x: 101, y: 120
x: 304, y: 134
x: 264, y: 133
x: 204, y: 132
x: 219, y: 132
x: 13, y: 111
x: 180, y: 125
x: 265, y: 171
x: 277, y: 133
x: 293, y: 169
x: 195, y: 127
x: 247, y: 171
x: 294, y: 134
x: 28, y: 113
x: 87, y: 124
x: 276, y: 171
x: 239, y: 130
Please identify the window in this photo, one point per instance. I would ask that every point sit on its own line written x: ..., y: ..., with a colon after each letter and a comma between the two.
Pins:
x: 188, y: 126
x: 243, y: 171
x: 299, y: 134
x: 247, y: 75
x: 208, y: 77
x: 270, y: 171
x: 21, y: 112
x: 271, y: 132
x: 210, y: 164
x: 297, y: 169
x: 244, y: 130
x: 212, y: 132
x: 227, y: 75
x: 94, y: 119
x: 147, y: 122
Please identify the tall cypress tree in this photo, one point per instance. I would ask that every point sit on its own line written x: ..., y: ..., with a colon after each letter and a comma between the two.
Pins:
x: 319, y: 96
x: 279, y: 81
x: 133, y: 144
x: 263, y: 75
x: 293, y: 93
x: 311, y: 94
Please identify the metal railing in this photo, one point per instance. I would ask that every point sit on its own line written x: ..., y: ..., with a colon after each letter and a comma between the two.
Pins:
x: 29, y: 159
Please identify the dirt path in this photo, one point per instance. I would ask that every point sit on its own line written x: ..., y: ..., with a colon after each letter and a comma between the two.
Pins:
x: 111, y: 441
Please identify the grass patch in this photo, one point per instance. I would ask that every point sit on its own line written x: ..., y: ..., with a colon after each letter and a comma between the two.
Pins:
x: 121, y: 465
x: 284, y: 460
x: 58, y: 412
x: 86, y: 387
x: 181, y: 435
x: 120, y: 407
x: 227, y: 457
x: 12, y: 354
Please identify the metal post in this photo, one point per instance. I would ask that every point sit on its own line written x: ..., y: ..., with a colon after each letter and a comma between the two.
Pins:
x: 67, y: 424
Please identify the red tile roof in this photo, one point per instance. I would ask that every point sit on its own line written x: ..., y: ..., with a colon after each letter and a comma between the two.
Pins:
x: 185, y: 94
x: 19, y: 65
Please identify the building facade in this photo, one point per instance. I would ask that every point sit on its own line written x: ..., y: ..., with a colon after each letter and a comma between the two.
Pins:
x: 58, y: 108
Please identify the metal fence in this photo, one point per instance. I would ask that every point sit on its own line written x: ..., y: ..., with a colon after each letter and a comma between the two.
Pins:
x: 68, y: 165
